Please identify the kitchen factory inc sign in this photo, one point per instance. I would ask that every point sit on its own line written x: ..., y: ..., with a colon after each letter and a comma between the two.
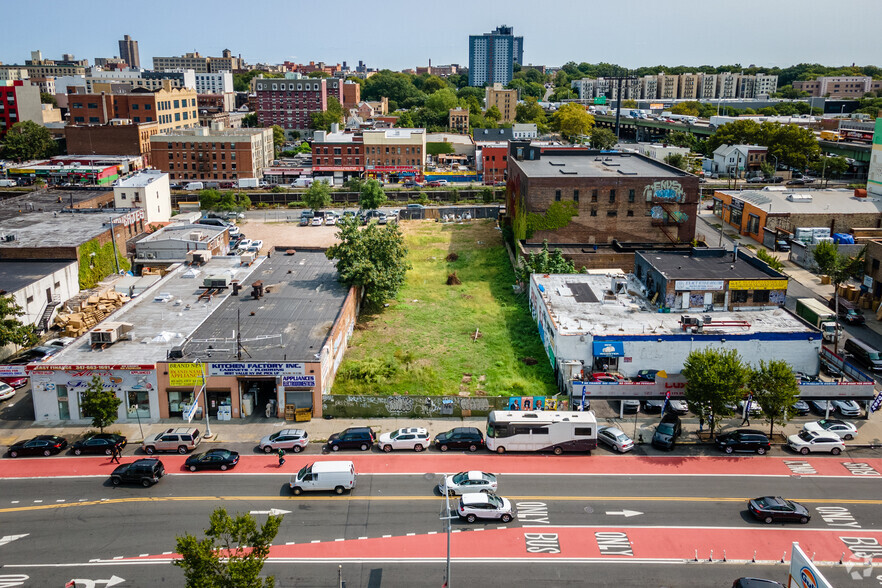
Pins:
x: 255, y: 369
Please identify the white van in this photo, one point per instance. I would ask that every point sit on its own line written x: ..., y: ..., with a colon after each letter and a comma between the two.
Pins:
x: 194, y: 186
x: 324, y: 475
x: 8, y: 183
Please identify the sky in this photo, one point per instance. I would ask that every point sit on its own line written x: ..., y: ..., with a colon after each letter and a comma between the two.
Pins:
x: 398, y: 34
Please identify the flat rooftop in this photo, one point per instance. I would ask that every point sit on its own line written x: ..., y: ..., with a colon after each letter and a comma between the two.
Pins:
x: 45, y: 201
x: 15, y: 275
x: 596, y: 165
x: 832, y: 201
x: 141, y: 179
x: 163, y: 316
x: 51, y: 229
x: 182, y: 232
x: 680, y: 266
x: 584, y: 304
x: 291, y: 322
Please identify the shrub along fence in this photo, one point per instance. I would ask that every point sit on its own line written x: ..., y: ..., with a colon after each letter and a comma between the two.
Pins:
x: 346, y: 406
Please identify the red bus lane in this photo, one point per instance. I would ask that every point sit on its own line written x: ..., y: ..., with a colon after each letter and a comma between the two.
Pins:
x: 501, y: 464
x: 596, y: 543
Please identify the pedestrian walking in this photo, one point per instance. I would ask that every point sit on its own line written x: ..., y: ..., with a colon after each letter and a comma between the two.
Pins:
x: 281, y: 457
x: 701, y: 423
x: 746, y: 419
x: 115, y: 454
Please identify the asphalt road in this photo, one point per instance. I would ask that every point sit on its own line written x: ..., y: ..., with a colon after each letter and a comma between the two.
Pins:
x: 76, y: 521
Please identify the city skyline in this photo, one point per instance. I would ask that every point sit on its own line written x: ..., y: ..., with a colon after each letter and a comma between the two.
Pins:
x: 767, y: 34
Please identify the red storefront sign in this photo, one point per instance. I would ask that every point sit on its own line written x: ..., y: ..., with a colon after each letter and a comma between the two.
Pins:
x: 340, y: 168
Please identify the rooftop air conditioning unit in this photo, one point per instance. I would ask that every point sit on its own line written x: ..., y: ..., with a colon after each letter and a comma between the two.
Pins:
x: 176, y: 352
x: 109, y: 333
x: 217, y: 281
x: 150, y: 255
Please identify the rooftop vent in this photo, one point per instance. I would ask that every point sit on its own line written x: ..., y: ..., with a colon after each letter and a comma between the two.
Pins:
x: 799, y: 197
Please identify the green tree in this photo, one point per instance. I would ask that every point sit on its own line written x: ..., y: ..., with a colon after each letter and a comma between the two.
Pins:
x: 572, y: 120
x: 250, y: 120
x: 840, y: 268
x: 318, y: 74
x: 231, y: 555
x: 317, y: 196
x: 545, y: 263
x: 100, y: 403
x: 715, y: 379
x: 681, y: 139
x: 322, y: 121
x: 602, y: 138
x: 12, y: 330
x: 529, y: 111
x: 770, y: 260
x: 397, y: 87
x: 278, y: 137
x: 790, y: 144
x: 353, y: 184
x: 629, y: 104
x: 441, y: 101
x: 677, y: 160
x: 827, y: 166
x: 562, y: 94
x: 789, y: 92
x: 775, y: 389
x: 374, y: 258
x: 687, y: 108
x: 493, y: 114
x: 372, y: 195
x: 768, y: 169
x: 47, y: 98
x: 27, y: 140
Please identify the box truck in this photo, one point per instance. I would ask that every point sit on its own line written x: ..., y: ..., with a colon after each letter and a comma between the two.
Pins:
x: 248, y: 183
x: 324, y: 475
x: 818, y: 315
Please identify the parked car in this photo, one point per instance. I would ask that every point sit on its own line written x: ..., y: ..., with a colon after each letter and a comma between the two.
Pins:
x: 437, y: 183
x: 180, y: 439
x: 415, y: 206
x: 645, y: 376
x: 677, y: 406
x: 847, y: 408
x: 615, y: 439
x: 796, y: 182
x: 460, y: 438
x: 330, y: 220
x: 412, y: 438
x: 775, y: 508
x: 214, y: 459
x: 255, y: 246
x: 484, y: 506
x: 288, y: 439
x: 755, y: 408
x: 99, y: 443
x: 757, y: 180
x: 806, y: 442
x: 744, y: 440
x: 843, y: 429
x: 801, y: 407
x: 831, y: 370
x: 40, y: 445
x: 820, y: 406
x: 802, y: 377
x: 6, y: 391
x: 35, y: 355
x: 667, y: 431
x: 653, y: 406
x: 468, y: 483
x: 59, y: 342
x: 782, y: 245
x: 352, y: 438
x: 629, y: 405
x: 16, y: 382
x: 317, y: 221
x: 146, y: 471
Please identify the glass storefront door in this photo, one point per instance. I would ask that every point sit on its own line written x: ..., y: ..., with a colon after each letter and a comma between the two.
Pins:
x: 139, y: 404
x: 63, y: 405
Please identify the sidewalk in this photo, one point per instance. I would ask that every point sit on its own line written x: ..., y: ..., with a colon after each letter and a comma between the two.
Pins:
x: 635, y: 426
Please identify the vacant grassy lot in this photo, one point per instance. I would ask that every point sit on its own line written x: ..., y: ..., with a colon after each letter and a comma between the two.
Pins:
x: 425, y: 343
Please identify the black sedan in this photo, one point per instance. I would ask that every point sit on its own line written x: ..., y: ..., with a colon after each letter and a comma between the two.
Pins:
x: 769, y: 509
x: 39, y: 445
x: 99, y: 443
x: 216, y: 459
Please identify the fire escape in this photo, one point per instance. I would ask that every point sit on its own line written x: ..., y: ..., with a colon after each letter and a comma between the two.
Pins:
x: 666, y: 216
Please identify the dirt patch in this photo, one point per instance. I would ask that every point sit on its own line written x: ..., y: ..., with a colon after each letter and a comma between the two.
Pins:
x: 453, y: 279
x: 452, y: 257
x: 288, y: 235
x: 529, y: 360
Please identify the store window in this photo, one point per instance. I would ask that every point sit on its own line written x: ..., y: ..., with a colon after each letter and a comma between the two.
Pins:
x: 739, y: 296
x: 178, y: 401
x: 138, y: 404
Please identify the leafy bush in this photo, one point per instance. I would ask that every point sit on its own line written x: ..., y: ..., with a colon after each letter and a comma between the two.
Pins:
x: 372, y: 370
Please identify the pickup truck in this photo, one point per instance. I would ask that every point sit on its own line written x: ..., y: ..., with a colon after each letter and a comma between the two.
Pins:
x: 848, y: 311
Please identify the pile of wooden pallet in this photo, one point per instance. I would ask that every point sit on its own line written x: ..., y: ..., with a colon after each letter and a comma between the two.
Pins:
x: 83, y: 313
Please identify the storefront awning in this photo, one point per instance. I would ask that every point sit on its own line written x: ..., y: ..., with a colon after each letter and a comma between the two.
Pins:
x: 609, y: 349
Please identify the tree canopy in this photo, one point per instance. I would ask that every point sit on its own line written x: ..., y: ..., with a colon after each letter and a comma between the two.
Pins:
x: 373, y: 257
x: 317, y: 196
x: 774, y: 387
x: 322, y: 121
x: 372, y: 195
x: 572, y: 120
x: 211, y: 199
x: 791, y: 145
x: 232, y: 553
x: 13, y: 330
x: 27, y: 140
x: 545, y: 263
x: 100, y: 404
x: 602, y: 138
x: 278, y: 137
x: 715, y: 380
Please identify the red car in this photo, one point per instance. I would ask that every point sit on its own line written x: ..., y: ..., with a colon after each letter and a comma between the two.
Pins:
x: 16, y: 382
x: 605, y: 377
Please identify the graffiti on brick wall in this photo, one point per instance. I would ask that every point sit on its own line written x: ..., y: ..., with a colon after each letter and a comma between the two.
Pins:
x: 670, y: 190
x: 777, y: 296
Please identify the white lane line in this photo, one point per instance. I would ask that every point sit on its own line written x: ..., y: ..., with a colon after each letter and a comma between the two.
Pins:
x: 37, y: 501
x: 315, y: 541
x: 338, y: 540
x: 433, y: 532
x: 386, y: 536
x: 291, y: 543
x: 502, y: 527
x: 477, y: 529
x: 411, y: 534
x: 144, y: 555
x: 118, y: 557
x: 166, y: 553
x: 362, y: 537
x: 15, y: 502
x: 457, y: 530
x: 60, y: 500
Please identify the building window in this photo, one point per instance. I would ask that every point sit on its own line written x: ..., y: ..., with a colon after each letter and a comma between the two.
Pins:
x: 593, y: 195
x: 739, y: 296
x: 612, y: 196
x: 557, y: 195
x: 753, y: 224
x: 631, y: 195
x: 575, y: 195
x: 612, y: 213
x: 760, y: 295
x: 593, y: 212
x: 630, y: 213
x: 875, y: 264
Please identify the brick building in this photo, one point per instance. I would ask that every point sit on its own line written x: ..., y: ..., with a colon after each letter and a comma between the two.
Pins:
x: 290, y: 103
x: 836, y: 86
x: 200, y: 64
x: 112, y: 139
x: 171, y: 108
x: 351, y: 95
x: 394, y: 151
x: 458, y: 120
x: 494, y: 161
x: 616, y: 196
x: 213, y: 154
x: 336, y: 154
x: 505, y: 100
x: 19, y: 101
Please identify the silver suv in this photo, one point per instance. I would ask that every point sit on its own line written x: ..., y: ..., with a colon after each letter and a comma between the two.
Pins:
x: 180, y: 439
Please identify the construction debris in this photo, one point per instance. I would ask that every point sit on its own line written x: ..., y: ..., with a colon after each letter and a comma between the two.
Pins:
x: 82, y: 313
